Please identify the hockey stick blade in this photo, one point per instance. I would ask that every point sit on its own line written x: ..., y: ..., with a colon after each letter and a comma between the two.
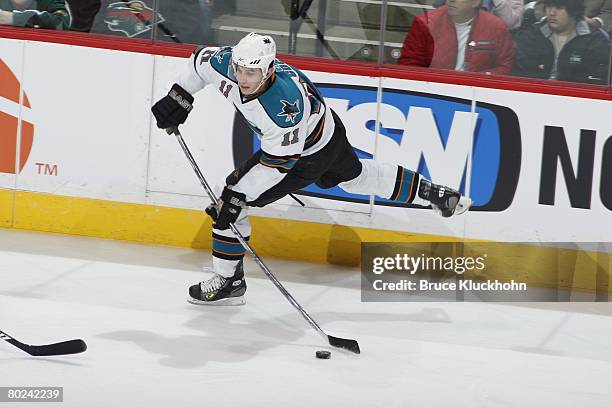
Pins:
x: 347, y: 344
x: 56, y: 349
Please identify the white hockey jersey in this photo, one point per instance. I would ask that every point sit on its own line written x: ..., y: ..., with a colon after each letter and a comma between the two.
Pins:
x: 290, y: 117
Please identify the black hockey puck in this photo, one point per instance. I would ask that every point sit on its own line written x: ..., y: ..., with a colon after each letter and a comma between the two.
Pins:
x: 326, y: 355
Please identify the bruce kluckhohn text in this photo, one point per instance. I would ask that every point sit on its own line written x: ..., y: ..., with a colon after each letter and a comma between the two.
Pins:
x: 468, y: 285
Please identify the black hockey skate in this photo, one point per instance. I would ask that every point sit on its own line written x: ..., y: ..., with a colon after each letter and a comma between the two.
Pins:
x: 444, y: 200
x: 220, y: 291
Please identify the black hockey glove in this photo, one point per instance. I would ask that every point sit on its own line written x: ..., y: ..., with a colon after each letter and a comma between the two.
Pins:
x: 172, y: 110
x: 228, y: 209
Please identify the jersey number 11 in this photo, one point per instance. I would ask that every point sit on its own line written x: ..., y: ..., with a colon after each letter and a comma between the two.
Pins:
x: 225, y: 90
x: 294, y: 140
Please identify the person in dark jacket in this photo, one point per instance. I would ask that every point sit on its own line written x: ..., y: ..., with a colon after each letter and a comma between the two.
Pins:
x: 562, y: 46
x: 50, y: 14
x: 597, y: 13
x: 459, y: 36
x: 83, y: 14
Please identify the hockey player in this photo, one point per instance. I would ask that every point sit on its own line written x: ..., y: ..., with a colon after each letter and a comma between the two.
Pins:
x: 302, y: 142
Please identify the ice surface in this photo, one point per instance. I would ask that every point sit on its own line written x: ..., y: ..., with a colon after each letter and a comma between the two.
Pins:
x: 149, y: 348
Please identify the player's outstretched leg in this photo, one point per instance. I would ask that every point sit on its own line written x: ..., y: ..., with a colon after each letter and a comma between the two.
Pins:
x: 405, y: 186
x: 219, y: 290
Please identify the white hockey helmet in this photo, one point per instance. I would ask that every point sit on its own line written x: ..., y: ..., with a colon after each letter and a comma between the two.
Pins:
x: 255, y: 51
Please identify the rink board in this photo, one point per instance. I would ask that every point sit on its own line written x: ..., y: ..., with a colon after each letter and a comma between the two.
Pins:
x: 6, y: 208
x: 315, y: 242
x: 99, y: 166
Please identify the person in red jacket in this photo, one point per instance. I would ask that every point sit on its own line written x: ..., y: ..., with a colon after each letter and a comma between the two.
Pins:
x: 459, y: 36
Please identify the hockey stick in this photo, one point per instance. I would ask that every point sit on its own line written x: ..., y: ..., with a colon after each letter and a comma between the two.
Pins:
x: 56, y: 349
x: 302, y: 12
x: 298, y: 200
x: 160, y: 24
x: 346, y: 344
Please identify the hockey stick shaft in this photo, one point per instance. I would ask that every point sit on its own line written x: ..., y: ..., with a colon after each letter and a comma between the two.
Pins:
x: 297, y: 200
x: 334, y: 341
x: 55, y: 349
x: 160, y: 24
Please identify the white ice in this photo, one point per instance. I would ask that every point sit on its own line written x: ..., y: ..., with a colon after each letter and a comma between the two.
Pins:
x: 149, y: 348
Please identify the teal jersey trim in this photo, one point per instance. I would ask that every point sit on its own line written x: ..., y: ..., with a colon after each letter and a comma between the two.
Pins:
x: 282, y: 164
x: 221, y: 60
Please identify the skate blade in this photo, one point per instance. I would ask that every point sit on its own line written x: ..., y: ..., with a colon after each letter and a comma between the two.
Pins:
x: 463, y: 205
x: 233, y: 301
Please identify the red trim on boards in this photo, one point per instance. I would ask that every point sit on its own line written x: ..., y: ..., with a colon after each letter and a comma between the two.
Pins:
x: 505, y: 82
x: 319, y: 64
x: 109, y: 42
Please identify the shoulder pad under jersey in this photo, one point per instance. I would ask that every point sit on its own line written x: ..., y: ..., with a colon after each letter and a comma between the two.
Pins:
x: 283, y: 101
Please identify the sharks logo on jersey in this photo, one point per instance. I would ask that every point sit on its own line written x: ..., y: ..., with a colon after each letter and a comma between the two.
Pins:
x: 289, y: 110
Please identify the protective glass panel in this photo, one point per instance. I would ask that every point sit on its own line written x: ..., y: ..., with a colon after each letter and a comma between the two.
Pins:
x: 127, y: 19
x: 338, y: 29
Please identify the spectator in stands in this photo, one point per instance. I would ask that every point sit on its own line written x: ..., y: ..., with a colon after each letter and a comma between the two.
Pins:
x: 459, y: 36
x: 562, y: 46
x: 597, y: 13
x: 511, y: 11
x: 83, y: 14
x: 50, y: 14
